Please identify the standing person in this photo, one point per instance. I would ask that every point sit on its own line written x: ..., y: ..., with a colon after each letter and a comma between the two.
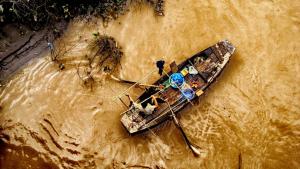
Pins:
x: 160, y: 65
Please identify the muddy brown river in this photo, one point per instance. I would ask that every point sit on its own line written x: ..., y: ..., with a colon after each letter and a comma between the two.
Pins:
x: 249, y: 118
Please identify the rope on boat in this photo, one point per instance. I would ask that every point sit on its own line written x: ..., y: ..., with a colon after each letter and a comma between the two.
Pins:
x: 120, y: 99
x: 153, y: 94
x: 150, y: 95
x: 141, y: 80
x: 136, y: 83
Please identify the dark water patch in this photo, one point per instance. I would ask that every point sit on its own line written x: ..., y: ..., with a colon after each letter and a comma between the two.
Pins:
x: 15, y: 157
x: 240, y: 165
x: 52, y: 138
x: 53, y: 128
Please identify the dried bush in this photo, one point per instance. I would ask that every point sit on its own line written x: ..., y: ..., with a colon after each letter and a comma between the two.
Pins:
x: 104, y: 59
x: 58, y: 53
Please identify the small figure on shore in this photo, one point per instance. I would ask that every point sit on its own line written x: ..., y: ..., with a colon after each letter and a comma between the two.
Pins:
x: 51, y: 47
x: 61, y: 66
x: 160, y: 65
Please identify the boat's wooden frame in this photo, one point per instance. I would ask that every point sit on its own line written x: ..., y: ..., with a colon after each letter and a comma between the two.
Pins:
x: 209, y: 64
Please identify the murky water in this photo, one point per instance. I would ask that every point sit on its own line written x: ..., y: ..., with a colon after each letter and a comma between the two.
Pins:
x: 250, y: 118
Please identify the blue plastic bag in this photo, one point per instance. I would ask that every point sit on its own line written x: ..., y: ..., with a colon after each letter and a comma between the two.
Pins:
x: 176, y: 80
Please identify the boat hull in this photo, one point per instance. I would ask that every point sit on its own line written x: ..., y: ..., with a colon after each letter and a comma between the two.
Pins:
x: 199, y: 72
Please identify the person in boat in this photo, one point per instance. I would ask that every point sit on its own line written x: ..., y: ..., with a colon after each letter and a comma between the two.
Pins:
x: 160, y: 65
x: 147, y: 107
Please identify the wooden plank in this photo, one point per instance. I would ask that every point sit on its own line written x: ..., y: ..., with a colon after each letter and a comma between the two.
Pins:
x: 174, y: 67
x: 216, y: 52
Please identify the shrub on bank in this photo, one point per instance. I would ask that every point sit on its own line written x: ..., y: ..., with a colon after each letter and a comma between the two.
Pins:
x: 37, y: 13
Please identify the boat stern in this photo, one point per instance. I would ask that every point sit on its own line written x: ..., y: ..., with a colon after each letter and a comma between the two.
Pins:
x: 228, y: 46
x: 128, y: 122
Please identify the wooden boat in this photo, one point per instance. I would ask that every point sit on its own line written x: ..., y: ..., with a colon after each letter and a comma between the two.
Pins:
x: 199, y: 71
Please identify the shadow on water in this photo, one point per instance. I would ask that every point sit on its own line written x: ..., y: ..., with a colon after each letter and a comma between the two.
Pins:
x: 240, y: 164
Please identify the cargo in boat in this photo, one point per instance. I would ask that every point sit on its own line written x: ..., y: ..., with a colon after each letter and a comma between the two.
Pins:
x: 192, y: 78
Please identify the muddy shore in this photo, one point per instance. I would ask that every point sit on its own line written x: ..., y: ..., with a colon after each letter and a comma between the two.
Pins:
x: 23, y: 48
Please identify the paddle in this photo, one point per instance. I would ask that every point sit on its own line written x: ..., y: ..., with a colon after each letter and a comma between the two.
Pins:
x: 195, y: 151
